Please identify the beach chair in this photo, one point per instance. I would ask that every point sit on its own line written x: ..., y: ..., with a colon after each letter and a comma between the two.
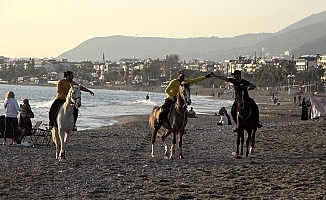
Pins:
x: 42, y: 137
x: 33, y: 131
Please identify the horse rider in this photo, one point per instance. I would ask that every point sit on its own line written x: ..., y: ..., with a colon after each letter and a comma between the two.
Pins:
x: 172, y: 90
x: 245, y: 86
x: 63, y: 87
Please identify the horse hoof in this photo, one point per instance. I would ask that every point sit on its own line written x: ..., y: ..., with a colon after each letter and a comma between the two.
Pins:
x: 251, y: 151
x: 181, y: 156
x: 166, y: 157
x: 152, y: 155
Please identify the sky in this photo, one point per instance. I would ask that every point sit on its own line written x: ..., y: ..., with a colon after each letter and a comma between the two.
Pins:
x: 48, y: 28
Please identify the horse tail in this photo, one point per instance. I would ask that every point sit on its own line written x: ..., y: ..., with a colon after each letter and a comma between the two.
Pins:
x: 152, y: 119
x: 54, y: 136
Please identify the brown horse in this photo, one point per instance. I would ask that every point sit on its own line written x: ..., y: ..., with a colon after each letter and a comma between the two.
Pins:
x: 245, y: 122
x: 177, y: 118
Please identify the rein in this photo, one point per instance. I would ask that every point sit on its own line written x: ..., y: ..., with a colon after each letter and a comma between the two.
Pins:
x: 184, y: 107
x: 243, y: 107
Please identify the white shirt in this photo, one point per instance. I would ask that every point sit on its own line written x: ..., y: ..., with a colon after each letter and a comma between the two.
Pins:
x: 11, y: 108
x: 224, y: 120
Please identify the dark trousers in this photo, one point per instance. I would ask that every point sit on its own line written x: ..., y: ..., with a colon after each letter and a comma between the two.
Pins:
x: 11, y: 125
x: 166, y: 108
x: 304, y: 113
x: 54, y: 109
x: 254, y: 108
x: 25, y: 132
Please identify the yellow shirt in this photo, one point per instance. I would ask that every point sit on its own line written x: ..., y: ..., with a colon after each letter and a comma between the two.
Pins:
x: 173, y: 87
x: 63, y: 87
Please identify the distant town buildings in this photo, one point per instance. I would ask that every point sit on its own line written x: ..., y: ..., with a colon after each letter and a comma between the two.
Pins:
x: 130, y: 69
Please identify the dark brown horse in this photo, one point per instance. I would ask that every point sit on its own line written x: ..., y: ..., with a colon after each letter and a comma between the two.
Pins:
x: 177, y: 118
x: 245, y: 121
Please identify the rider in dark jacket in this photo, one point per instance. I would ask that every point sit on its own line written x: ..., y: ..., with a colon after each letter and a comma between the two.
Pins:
x: 245, y: 86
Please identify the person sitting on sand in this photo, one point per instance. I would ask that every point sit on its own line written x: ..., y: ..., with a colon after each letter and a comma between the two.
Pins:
x: 24, y: 125
x: 224, y: 120
x: 223, y: 110
x: 172, y: 90
x: 191, y: 113
x: 246, y: 85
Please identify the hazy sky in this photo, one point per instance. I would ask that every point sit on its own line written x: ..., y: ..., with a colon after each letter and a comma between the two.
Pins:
x: 47, y: 28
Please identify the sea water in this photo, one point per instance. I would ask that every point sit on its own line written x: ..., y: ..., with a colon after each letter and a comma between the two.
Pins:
x: 102, y: 108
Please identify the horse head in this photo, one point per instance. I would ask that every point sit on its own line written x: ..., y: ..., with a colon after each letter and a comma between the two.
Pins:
x: 184, y: 93
x: 74, y: 95
x: 241, y: 97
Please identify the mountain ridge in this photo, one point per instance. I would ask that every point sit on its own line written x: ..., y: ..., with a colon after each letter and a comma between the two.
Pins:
x: 302, y: 34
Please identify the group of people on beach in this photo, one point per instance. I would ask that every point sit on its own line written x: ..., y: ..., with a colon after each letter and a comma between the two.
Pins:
x: 173, y: 87
x: 17, y: 119
x: 12, y: 110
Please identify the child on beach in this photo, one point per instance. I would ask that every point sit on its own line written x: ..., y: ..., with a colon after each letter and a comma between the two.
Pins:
x: 224, y: 120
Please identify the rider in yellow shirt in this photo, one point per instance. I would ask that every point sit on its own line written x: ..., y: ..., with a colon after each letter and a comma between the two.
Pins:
x: 63, y: 87
x: 172, y: 90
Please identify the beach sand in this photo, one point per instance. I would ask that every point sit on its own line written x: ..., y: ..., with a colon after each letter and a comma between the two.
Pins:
x: 115, y: 162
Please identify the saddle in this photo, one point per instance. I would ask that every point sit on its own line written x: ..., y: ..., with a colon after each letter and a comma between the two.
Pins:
x: 160, y: 110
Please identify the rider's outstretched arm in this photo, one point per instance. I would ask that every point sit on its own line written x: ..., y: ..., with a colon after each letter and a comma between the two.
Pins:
x: 220, y: 77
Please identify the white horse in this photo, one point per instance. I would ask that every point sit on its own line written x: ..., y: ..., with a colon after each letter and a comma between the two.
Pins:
x: 65, y: 121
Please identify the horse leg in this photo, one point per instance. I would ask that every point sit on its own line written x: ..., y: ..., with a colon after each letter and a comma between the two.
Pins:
x: 252, y: 141
x: 242, y: 142
x: 154, y: 133
x: 62, y: 137
x: 55, y: 139
x: 174, y: 141
x: 238, y: 142
x: 166, y: 153
x: 247, y: 143
x: 180, y: 144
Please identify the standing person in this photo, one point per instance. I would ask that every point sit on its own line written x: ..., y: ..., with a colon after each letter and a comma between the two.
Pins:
x: 245, y: 86
x: 11, y: 109
x: 172, y: 90
x: 304, y: 111
x: 63, y: 87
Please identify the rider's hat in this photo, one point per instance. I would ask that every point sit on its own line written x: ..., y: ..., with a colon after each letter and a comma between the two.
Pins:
x: 236, y: 72
x: 181, y: 73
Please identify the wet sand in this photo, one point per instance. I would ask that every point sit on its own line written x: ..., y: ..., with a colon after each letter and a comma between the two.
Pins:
x: 115, y: 162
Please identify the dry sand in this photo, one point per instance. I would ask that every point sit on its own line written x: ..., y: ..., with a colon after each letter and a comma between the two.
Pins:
x: 115, y: 163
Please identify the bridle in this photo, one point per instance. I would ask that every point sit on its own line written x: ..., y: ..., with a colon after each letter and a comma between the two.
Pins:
x: 73, y: 99
x: 184, y: 95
